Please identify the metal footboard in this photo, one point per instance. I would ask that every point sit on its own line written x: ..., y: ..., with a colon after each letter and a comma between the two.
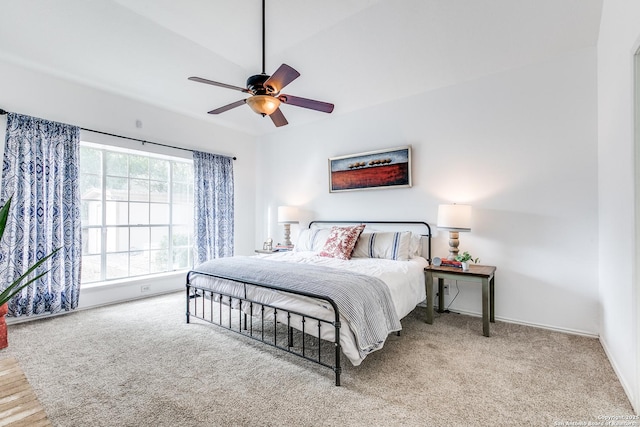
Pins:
x: 248, y: 319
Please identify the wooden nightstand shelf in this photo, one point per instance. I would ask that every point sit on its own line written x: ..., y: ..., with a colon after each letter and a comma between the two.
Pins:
x: 482, y: 274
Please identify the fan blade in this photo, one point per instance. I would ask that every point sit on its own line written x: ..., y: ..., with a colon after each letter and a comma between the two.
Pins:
x: 325, y: 107
x: 211, y: 82
x: 278, y: 118
x: 228, y: 107
x: 282, y: 77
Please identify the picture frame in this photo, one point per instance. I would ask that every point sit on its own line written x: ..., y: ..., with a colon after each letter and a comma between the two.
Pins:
x: 372, y: 170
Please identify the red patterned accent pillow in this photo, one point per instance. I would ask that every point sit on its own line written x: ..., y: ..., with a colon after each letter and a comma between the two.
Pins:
x: 341, y: 242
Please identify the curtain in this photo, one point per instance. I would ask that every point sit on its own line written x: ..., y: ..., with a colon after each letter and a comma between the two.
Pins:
x: 213, y: 206
x: 40, y: 173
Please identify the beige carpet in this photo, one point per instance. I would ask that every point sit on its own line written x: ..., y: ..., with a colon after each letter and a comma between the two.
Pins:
x: 140, y: 364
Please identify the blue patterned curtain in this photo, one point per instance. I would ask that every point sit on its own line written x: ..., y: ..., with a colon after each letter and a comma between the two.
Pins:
x: 213, y: 203
x: 40, y: 172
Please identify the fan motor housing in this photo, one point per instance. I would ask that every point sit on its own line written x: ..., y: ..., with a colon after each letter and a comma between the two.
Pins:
x: 255, y: 84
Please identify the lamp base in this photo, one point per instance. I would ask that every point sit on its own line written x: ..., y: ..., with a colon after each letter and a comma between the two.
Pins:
x: 287, y: 234
x: 453, y: 245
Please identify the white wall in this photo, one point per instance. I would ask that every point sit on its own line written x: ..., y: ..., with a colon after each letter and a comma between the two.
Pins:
x: 36, y: 94
x: 618, y: 42
x: 519, y: 146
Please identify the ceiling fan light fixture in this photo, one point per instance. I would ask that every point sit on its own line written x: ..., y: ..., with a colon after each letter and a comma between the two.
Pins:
x: 266, y: 89
x: 263, y: 104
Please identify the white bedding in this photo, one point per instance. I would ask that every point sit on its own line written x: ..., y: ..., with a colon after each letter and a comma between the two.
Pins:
x: 405, y: 280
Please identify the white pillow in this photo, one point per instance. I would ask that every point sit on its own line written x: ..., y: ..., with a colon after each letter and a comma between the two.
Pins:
x: 311, y: 239
x: 384, y: 244
x: 415, y: 249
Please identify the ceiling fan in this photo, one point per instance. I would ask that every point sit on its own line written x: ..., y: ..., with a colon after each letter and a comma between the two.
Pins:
x: 265, y: 90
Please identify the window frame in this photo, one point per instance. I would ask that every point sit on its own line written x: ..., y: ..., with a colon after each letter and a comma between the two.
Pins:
x: 104, y: 227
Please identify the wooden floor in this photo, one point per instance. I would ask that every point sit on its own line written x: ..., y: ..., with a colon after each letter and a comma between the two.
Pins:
x: 19, y: 405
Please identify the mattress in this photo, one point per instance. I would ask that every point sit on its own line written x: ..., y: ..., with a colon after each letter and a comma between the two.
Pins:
x: 404, y: 279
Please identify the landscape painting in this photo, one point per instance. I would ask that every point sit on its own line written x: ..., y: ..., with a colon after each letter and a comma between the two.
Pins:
x: 389, y: 168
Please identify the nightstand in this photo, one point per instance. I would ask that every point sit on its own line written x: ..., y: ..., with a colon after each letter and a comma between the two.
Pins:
x: 481, y: 274
x: 266, y: 251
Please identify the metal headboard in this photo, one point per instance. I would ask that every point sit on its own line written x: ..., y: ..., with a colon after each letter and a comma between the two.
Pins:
x: 414, y: 223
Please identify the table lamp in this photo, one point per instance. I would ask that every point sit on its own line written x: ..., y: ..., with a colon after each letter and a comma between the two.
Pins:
x: 454, y: 218
x: 287, y: 215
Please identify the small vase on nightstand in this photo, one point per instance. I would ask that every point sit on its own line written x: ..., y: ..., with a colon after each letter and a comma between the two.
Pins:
x: 465, y: 259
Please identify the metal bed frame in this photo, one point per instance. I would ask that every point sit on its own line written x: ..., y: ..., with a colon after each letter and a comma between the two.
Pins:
x: 249, y: 326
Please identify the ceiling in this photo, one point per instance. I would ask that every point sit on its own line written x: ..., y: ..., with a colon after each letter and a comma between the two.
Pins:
x: 353, y: 53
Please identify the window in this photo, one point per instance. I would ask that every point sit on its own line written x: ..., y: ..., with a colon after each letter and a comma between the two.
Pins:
x: 137, y: 212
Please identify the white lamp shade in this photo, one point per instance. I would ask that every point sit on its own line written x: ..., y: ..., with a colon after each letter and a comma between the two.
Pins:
x: 287, y: 215
x: 454, y: 217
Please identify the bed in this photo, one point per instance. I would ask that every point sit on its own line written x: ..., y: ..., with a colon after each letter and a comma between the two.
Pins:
x: 341, y: 291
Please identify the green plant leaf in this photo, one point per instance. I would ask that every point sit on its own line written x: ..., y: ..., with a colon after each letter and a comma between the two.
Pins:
x: 14, y: 288
x: 17, y: 284
x: 4, y: 216
x: 465, y: 257
x: 15, y: 291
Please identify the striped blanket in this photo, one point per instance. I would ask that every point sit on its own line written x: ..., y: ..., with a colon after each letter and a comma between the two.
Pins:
x: 363, y: 301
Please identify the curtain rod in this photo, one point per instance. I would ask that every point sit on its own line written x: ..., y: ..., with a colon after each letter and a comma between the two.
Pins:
x: 144, y: 141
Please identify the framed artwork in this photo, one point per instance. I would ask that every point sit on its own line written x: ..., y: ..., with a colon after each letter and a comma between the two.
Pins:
x: 372, y: 170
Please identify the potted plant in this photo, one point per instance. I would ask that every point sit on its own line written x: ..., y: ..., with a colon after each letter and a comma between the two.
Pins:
x: 17, y: 285
x: 465, y: 258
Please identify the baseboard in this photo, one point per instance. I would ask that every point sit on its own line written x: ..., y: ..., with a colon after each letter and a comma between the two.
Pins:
x: 532, y: 324
x: 625, y: 386
x: 118, y: 292
x: 16, y: 320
